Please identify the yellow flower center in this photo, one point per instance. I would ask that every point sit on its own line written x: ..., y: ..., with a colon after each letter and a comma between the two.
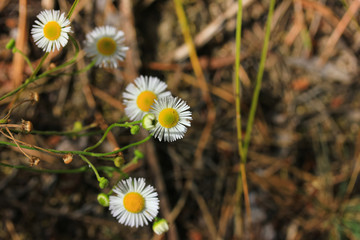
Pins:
x: 134, y: 202
x: 145, y: 100
x: 106, y: 46
x: 168, y: 118
x: 52, y: 30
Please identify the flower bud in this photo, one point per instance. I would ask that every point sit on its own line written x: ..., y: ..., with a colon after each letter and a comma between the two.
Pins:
x: 103, y: 183
x: 160, y: 226
x: 138, y: 154
x: 134, y: 129
x: 77, y: 126
x: 103, y: 199
x: 68, y: 158
x: 119, y: 161
x: 34, y: 97
x: 26, y: 126
x: 34, y: 161
x: 11, y: 44
x: 149, y: 121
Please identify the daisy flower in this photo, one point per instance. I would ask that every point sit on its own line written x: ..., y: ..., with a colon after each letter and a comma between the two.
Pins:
x: 135, y: 203
x: 50, y: 31
x: 106, y: 44
x: 172, y: 118
x: 139, y: 96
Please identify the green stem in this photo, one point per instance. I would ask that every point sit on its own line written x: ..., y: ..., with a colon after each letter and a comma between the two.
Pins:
x: 69, y: 133
x: 77, y: 152
x: 239, y: 184
x: 88, y: 67
x: 108, y: 130
x: 31, y: 79
x: 71, y: 61
x: 92, y: 166
x: 237, y: 78
x: 72, y: 9
x: 16, y: 50
x: 33, y: 76
x: 59, y: 171
x: 255, y: 98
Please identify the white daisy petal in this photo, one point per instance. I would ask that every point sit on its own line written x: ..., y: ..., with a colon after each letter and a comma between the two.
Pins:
x: 135, y: 204
x: 106, y: 44
x: 50, y: 31
x: 140, y: 95
x: 173, y: 116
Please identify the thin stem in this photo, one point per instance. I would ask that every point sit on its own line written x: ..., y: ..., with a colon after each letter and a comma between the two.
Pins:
x: 255, y: 98
x: 92, y: 166
x: 12, y: 137
x: 7, y: 116
x: 27, y: 60
x: 10, y: 125
x: 27, y: 81
x: 33, y: 76
x: 241, y: 185
x: 237, y: 78
x: 70, y: 133
x: 59, y: 171
x: 107, y: 131
x: 77, y: 152
x: 88, y: 67
x: 72, y: 9
x: 71, y: 61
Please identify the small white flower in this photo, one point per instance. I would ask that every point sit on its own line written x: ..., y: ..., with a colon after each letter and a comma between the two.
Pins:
x: 106, y: 44
x: 50, y: 31
x: 139, y: 96
x: 135, y: 205
x: 172, y: 118
x: 160, y: 226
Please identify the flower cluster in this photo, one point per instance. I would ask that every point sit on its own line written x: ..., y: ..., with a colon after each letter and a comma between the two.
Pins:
x: 165, y: 116
x: 105, y: 44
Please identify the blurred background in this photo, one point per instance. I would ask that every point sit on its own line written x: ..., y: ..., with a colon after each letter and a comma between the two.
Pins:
x: 303, y: 161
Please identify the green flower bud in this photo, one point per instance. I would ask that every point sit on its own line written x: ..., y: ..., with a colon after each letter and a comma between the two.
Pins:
x: 160, y: 226
x: 11, y: 44
x: 138, y: 154
x: 103, y: 199
x: 149, y: 121
x: 134, y: 129
x: 119, y: 161
x: 103, y: 183
x: 77, y: 126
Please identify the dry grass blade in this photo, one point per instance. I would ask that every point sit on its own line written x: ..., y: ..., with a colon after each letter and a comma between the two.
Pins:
x: 338, y: 31
x: 209, y: 31
x: 21, y: 40
x: 211, y: 114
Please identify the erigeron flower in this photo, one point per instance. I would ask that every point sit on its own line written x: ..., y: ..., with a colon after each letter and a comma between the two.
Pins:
x: 50, y: 31
x: 173, y: 116
x: 140, y: 95
x: 135, y: 204
x: 106, y: 45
